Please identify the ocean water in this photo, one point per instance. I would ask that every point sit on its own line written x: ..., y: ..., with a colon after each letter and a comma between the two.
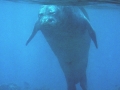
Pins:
x: 37, y: 65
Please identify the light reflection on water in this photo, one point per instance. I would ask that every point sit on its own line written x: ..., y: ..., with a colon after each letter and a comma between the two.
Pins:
x: 98, y: 3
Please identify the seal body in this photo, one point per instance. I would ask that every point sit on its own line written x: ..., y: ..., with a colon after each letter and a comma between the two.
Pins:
x: 69, y: 34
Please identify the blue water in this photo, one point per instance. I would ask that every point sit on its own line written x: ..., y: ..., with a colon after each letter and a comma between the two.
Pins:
x: 37, y: 64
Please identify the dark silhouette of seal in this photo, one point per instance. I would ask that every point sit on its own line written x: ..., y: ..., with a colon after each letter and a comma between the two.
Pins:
x: 68, y: 33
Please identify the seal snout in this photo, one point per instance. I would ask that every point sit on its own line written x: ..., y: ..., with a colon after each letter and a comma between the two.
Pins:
x: 48, y: 20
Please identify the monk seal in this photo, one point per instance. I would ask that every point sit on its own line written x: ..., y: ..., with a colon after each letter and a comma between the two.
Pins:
x: 69, y: 33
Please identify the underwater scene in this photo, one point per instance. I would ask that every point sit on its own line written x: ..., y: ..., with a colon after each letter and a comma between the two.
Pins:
x: 59, y: 47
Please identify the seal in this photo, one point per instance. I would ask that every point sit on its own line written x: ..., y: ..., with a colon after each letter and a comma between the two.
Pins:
x: 69, y: 33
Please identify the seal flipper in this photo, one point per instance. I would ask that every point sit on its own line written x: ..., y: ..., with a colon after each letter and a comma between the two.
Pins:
x: 36, y: 28
x: 93, y: 36
x: 90, y: 31
x: 84, y: 12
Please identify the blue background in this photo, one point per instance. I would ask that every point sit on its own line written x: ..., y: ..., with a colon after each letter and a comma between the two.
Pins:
x: 37, y: 64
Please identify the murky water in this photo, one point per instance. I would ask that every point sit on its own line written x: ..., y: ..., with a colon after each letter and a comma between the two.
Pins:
x: 35, y: 67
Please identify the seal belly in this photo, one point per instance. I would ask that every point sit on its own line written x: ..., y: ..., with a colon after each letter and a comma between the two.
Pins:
x: 71, y: 51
